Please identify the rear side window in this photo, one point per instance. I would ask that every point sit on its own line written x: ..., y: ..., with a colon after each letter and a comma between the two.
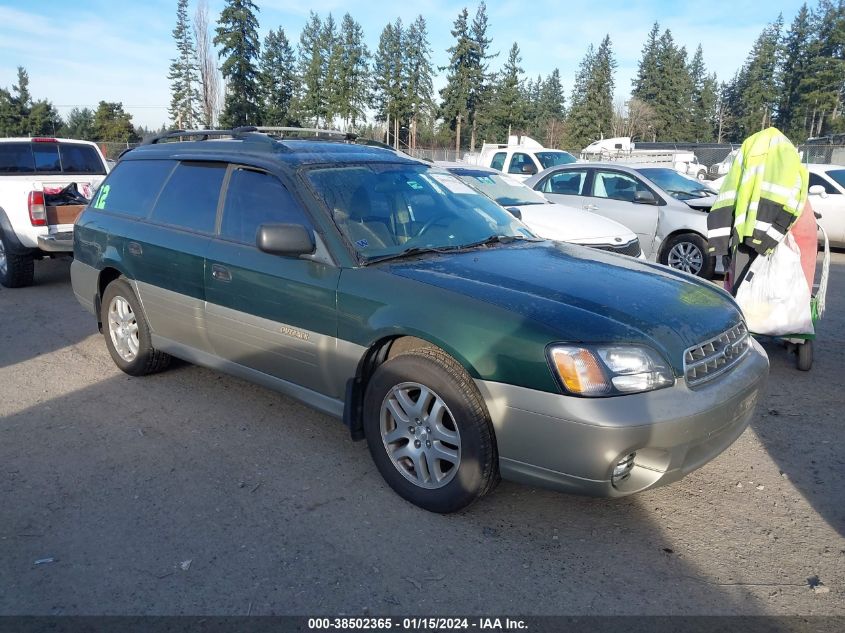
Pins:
x: 189, y: 199
x: 132, y: 187
x: 80, y: 159
x: 50, y: 158
x: 16, y: 158
x: 254, y: 198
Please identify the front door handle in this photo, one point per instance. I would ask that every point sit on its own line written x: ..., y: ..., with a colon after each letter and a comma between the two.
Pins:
x: 134, y: 249
x: 220, y: 273
x: 591, y: 207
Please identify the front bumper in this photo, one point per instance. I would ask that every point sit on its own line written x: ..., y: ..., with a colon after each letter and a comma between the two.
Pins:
x: 572, y: 444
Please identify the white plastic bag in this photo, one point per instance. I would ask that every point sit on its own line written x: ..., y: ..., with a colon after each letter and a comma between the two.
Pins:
x: 774, y: 296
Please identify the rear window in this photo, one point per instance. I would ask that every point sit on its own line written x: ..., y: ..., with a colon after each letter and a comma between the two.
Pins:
x: 132, y: 187
x: 50, y: 158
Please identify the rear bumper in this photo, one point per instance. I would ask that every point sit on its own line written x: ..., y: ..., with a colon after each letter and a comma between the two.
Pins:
x: 84, y: 279
x: 572, y: 444
x: 56, y: 242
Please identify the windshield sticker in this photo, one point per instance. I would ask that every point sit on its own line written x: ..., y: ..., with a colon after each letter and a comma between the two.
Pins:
x: 485, y: 180
x: 453, y: 184
x: 102, y: 196
x: 362, y: 243
x: 413, y: 184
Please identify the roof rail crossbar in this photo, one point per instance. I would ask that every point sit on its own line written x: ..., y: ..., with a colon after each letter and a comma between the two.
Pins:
x: 302, y: 131
x: 238, y: 132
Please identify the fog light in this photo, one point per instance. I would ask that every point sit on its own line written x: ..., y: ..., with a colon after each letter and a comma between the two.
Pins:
x: 623, y: 469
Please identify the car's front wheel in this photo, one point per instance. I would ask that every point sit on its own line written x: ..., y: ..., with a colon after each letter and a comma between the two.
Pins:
x: 688, y: 252
x: 429, y: 432
x: 127, y: 333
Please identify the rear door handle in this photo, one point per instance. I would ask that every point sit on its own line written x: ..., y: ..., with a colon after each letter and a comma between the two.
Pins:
x: 591, y: 207
x: 134, y: 249
x: 220, y: 273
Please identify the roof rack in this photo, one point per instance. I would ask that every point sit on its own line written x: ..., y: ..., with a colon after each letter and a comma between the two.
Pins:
x: 238, y: 132
x: 305, y: 131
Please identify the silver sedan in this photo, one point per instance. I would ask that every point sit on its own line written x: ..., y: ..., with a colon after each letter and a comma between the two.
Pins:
x: 666, y: 210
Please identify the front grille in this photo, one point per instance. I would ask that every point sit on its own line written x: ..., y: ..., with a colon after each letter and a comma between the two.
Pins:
x: 631, y: 248
x: 713, y: 358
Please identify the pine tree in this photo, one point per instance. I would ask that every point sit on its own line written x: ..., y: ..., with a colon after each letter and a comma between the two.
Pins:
x: 389, y: 74
x: 419, y: 75
x: 591, y: 112
x: 15, y: 106
x: 794, y: 69
x: 184, y: 96
x: 312, y: 99
x: 702, y: 99
x: 460, y: 78
x: 330, y: 55
x: 758, y: 93
x: 646, y: 83
x: 351, y: 74
x: 43, y: 119
x: 479, y: 83
x: 237, y: 37
x: 111, y: 123
x: 822, y: 89
x: 508, y: 108
x: 551, y: 109
x: 277, y: 79
x: 79, y: 124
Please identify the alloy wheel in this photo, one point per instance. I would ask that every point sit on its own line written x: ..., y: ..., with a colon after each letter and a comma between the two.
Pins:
x: 420, y: 435
x: 686, y: 256
x: 123, y: 329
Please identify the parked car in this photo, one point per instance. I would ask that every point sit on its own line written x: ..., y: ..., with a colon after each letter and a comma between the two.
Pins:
x: 520, y: 157
x: 36, y: 221
x: 384, y: 291
x: 665, y: 209
x: 827, y: 197
x: 545, y: 218
x: 720, y: 169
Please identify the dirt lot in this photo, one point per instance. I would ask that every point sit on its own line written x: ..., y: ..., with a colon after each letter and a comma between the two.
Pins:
x: 191, y: 492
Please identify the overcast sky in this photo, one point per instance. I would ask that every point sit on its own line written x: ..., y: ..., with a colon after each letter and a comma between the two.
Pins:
x: 80, y: 52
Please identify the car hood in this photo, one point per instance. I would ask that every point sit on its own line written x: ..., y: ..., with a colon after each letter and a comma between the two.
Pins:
x: 584, y: 295
x: 569, y: 224
x: 701, y: 204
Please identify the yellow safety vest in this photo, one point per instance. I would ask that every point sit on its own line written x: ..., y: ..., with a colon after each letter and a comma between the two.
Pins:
x: 761, y: 197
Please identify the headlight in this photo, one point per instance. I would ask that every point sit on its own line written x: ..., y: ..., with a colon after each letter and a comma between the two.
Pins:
x: 610, y: 370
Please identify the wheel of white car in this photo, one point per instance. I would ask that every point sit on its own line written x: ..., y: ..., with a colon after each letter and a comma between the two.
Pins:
x: 688, y: 252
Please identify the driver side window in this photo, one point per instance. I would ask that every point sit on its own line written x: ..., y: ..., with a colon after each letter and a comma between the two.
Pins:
x: 617, y: 186
x: 518, y: 161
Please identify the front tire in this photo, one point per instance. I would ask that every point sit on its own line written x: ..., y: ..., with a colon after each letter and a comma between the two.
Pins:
x: 127, y: 332
x: 16, y: 271
x: 429, y: 432
x: 688, y: 252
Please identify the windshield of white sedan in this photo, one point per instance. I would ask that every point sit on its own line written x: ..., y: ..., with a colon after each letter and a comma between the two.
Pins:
x: 505, y: 191
x: 387, y: 210
x: 676, y: 185
x: 838, y: 175
x: 552, y: 159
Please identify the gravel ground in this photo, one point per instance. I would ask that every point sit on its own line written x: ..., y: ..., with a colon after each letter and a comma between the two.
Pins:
x: 191, y: 492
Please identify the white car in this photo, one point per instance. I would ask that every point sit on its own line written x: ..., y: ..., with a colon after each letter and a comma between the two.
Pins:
x: 547, y: 219
x: 827, y: 197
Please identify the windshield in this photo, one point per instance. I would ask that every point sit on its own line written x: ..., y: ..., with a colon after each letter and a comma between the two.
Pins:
x: 506, y: 191
x: 838, y: 175
x: 387, y: 209
x: 552, y: 159
x: 676, y: 185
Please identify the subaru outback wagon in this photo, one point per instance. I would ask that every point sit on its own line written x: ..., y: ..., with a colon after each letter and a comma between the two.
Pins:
x: 386, y: 292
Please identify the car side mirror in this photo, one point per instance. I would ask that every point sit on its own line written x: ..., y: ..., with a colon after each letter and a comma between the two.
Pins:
x: 515, y: 212
x: 644, y: 197
x: 529, y: 168
x: 818, y: 190
x: 291, y: 240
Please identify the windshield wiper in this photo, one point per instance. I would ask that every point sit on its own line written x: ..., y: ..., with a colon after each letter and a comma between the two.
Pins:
x: 420, y: 250
x: 409, y: 252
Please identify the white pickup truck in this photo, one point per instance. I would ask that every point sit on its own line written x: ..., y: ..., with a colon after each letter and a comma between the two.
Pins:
x: 624, y: 150
x: 520, y: 158
x: 32, y: 172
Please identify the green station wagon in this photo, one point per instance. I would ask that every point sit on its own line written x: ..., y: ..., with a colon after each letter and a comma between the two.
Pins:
x: 385, y: 292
